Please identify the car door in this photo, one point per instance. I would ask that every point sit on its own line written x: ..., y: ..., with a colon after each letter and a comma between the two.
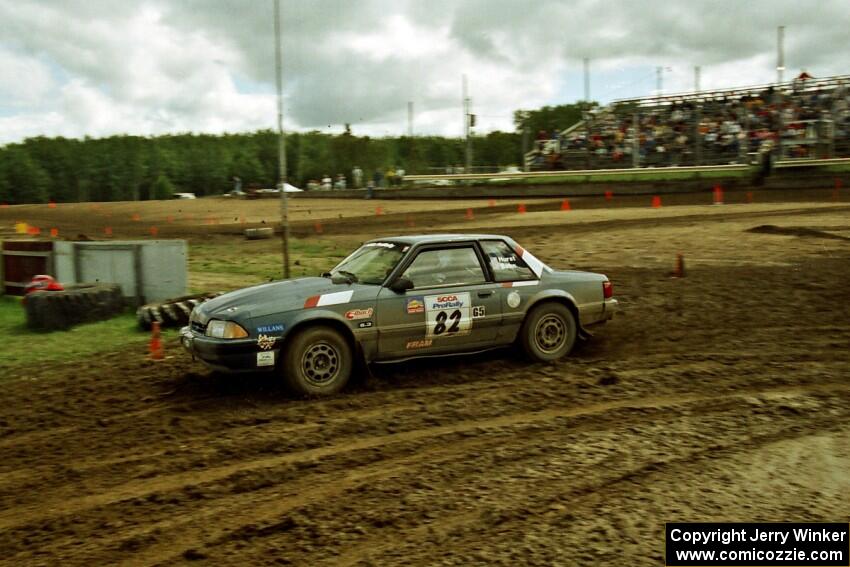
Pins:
x: 454, y: 305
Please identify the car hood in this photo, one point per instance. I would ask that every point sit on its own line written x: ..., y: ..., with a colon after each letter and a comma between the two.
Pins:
x: 266, y: 299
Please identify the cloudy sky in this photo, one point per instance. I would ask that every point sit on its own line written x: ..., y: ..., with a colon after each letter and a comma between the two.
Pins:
x: 98, y: 67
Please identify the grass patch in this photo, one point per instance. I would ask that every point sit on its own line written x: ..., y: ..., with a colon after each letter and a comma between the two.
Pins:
x: 229, y: 265
x: 22, y: 346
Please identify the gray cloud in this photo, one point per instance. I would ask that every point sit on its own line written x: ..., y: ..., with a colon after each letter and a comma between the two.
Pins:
x: 162, y: 65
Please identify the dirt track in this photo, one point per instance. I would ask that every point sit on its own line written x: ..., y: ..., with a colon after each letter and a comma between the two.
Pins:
x: 721, y: 396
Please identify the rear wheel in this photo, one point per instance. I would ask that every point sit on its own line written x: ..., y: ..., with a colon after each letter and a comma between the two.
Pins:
x: 317, y: 362
x: 549, y: 332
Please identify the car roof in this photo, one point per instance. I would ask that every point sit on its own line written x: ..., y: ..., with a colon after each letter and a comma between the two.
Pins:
x: 438, y: 238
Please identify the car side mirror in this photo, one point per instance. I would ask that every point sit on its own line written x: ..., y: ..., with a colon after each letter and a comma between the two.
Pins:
x: 401, y: 284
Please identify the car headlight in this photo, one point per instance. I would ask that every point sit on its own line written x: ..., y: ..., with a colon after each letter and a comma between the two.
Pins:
x: 225, y: 330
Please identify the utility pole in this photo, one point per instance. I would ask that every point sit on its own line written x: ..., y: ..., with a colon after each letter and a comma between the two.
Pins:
x: 697, y: 70
x: 410, y: 118
x: 587, y: 79
x: 659, y: 80
x: 467, y: 117
x: 780, y: 53
x: 281, y: 145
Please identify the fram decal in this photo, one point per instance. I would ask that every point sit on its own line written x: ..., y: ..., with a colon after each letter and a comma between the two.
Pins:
x: 422, y: 343
x: 276, y: 328
x: 415, y: 305
x: 359, y: 314
x: 265, y: 342
x: 478, y: 312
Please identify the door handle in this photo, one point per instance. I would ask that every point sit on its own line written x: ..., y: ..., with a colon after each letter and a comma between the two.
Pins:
x: 485, y: 293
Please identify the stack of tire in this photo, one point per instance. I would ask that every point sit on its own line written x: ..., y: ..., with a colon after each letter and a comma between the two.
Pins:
x: 80, y: 303
x: 171, y: 312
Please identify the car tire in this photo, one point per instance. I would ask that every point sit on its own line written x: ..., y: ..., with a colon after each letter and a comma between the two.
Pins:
x: 317, y: 362
x: 548, y: 332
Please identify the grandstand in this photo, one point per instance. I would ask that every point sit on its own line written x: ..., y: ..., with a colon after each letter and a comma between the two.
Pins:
x: 801, y: 119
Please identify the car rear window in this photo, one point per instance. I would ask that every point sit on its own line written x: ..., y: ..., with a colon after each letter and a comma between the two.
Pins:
x: 507, y: 266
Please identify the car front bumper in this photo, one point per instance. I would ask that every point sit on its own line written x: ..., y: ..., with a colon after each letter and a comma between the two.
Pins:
x: 229, y: 355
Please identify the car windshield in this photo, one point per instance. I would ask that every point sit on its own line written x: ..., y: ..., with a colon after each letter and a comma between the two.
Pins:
x: 371, y: 263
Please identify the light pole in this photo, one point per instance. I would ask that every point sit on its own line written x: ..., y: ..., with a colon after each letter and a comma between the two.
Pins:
x: 780, y: 53
x: 281, y: 146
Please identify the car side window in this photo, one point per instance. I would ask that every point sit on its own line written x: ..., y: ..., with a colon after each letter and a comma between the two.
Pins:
x: 507, y: 266
x: 445, y: 266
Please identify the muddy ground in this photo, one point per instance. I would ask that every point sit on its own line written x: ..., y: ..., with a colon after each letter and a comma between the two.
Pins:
x: 721, y: 396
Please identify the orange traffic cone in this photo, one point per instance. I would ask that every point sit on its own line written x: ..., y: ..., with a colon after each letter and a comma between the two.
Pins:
x: 656, y: 202
x: 107, y: 231
x: 54, y: 232
x: 379, y: 211
x: 565, y: 205
x: 156, y: 351
x: 521, y: 209
x: 51, y: 205
x: 470, y: 215
x: 749, y: 196
x: 154, y: 231
x: 491, y: 203
x: 679, y: 270
x: 718, y: 195
x: 609, y: 195
x: 317, y: 226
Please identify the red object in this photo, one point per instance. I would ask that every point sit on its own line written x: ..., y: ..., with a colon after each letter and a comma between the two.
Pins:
x: 136, y: 217
x: 718, y: 195
x: 311, y: 301
x: 609, y: 195
x: 51, y: 205
x: 43, y: 283
x: 154, y: 231
x: 379, y: 211
x: 607, y: 289
x: 4, y: 205
x: 156, y: 350
x: 107, y: 231
x: 54, y: 232
x: 656, y: 202
x: 749, y: 196
x: 469, y: 214
x: 565, y: 205
x: 521, y: 209
x: 169, y: 219
x: 491, y: 203
x: 317, y: 226
x: 679, y: 270
x: 33, y: 231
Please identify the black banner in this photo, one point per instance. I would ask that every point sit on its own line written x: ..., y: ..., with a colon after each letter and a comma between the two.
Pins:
x: 757, y: 544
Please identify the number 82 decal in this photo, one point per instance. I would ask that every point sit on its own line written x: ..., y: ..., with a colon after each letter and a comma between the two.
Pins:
x: 448, y: 315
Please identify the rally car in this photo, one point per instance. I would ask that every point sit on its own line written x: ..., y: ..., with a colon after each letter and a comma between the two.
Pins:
x: 398, y: 298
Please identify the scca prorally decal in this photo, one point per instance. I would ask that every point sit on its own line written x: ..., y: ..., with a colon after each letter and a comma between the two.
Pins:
x: 329, y: 299
x: 359, y: 314
x: 276, y: 328
x: 448, y: 314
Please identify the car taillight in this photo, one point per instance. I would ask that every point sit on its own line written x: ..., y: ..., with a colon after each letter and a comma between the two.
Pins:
x: 607, y: 289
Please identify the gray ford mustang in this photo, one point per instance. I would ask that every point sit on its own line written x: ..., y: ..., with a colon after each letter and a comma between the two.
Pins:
x: 398, y: 298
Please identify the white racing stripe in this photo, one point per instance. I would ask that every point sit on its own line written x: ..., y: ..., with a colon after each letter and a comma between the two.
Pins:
x: 335, y: 298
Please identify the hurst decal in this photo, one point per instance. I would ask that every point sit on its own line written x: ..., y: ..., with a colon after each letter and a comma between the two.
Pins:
x: 448, y: 315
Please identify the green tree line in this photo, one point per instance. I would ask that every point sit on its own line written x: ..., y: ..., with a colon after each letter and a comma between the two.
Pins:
x: 121, y: 168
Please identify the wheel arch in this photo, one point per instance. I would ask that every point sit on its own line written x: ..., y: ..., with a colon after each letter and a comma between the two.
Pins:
x: 565, y: 299
x: 327, y: 319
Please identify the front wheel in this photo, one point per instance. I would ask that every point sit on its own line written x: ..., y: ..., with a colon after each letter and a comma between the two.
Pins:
x: 549, y: 332
x: 317, y: 362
